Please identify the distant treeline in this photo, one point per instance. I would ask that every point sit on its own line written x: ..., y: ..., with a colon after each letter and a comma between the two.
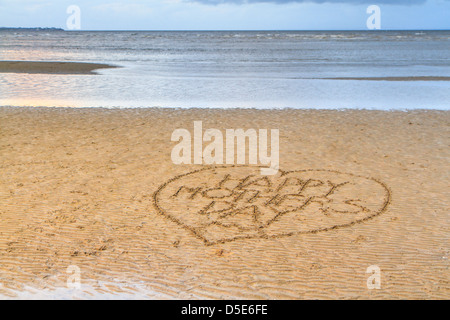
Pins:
x: 30, y: 29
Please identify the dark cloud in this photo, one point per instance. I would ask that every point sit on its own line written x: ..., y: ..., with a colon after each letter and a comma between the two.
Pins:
x: 392, y: 2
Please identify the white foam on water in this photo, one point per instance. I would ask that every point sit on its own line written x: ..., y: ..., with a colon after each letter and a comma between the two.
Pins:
x: 100, y: 291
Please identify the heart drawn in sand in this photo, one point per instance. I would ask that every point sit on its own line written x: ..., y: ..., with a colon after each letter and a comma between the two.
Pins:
x: 225, y: 204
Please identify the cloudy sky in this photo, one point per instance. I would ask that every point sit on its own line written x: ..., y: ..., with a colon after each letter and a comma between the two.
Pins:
x: 226, y: 14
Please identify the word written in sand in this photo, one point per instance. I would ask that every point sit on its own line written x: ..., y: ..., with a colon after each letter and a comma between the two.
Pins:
x: 214, y: 153
x: 224, y: 204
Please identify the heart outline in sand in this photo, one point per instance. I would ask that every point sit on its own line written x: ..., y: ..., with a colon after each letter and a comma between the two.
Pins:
x: 226, y: 223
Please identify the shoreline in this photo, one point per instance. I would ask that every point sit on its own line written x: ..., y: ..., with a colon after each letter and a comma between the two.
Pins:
x: 165, y: 108
x: 410, y: 78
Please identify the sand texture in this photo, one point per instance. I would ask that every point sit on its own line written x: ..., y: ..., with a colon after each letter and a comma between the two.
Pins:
x: 97, y: 189
x: 47, y: 67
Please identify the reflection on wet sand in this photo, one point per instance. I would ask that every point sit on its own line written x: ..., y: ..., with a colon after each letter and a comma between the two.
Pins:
x: 393, y: 78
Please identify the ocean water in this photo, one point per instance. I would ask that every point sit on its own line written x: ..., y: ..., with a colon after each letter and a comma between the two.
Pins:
x: 257, y: 69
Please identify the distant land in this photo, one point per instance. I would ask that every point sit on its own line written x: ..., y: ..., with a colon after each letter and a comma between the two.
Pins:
x: 30, y: 29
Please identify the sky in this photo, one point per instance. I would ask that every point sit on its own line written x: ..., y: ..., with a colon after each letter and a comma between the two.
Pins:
x: 227, y: 14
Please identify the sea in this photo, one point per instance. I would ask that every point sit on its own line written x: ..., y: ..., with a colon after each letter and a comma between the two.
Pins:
x: 380, y: 70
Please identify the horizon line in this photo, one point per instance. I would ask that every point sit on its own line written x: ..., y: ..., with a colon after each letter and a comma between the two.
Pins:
x: 211, y: 30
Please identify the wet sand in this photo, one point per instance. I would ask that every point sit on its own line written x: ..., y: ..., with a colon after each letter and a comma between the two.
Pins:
x: 430, y: 78
x: 45, y: 67
x: 96, y: 189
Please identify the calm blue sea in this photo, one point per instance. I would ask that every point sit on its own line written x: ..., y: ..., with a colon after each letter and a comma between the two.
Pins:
x: 257, y: 69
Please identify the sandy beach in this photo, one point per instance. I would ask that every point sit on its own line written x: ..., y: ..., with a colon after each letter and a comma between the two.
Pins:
x: 51, y: 67
x: 97, y: 189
